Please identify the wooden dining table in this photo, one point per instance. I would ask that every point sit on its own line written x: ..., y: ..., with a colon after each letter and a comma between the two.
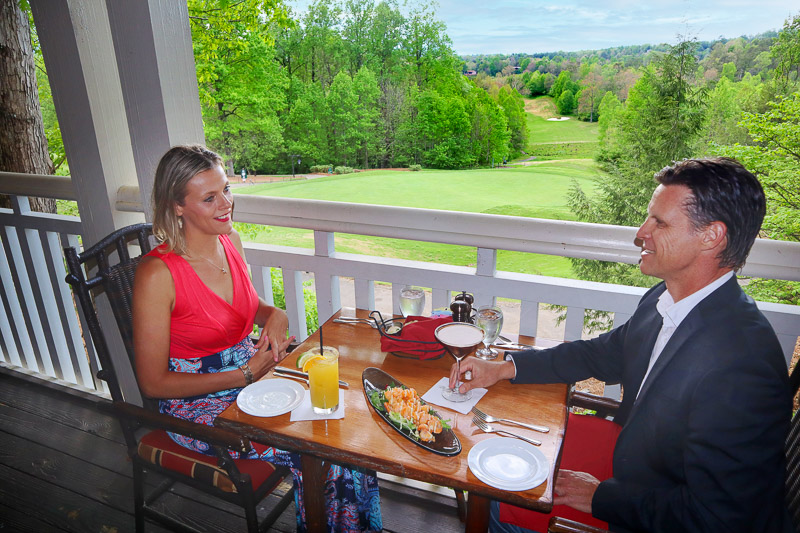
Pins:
x: 363, y: 439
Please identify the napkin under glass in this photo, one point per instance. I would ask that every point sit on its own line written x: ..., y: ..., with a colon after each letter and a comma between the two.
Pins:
x: 434, y: 396
x: 304, y: 411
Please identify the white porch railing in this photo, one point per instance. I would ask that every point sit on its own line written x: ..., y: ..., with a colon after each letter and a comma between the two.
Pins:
x: 39, y: 329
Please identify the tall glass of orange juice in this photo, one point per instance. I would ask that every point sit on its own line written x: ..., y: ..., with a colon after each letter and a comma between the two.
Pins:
x: 323, y: 381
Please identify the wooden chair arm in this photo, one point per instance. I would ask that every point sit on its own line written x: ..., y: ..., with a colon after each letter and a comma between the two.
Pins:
x: 210, y: 434
x: 604, y: 406
x: 562, y: 525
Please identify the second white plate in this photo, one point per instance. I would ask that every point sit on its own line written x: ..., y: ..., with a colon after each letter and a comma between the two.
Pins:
x: 270, y: 397
x: 508, y: 464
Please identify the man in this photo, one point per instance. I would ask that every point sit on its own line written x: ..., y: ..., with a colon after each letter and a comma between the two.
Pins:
x: 706, y: 403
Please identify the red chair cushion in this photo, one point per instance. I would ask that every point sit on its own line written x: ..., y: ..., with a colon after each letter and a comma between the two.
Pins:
x: 157, y: 448
x: 588, y: 447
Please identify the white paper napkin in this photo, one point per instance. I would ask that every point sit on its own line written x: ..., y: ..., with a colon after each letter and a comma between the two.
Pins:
x: 304, y: 411
x: 434, y: 396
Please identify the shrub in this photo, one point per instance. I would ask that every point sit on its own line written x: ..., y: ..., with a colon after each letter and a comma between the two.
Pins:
x: 309, y: 297
x: 343, y: 170
x: 415, y: 168
x: 319, y: 169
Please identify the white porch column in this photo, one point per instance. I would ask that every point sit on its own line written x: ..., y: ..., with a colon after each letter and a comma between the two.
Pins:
x: 125, y: 90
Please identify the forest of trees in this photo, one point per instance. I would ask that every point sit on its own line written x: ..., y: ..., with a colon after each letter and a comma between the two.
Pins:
x: 674, y: 111
x: 353, y: 83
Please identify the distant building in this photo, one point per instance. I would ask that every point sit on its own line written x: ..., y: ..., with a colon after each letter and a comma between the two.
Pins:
x: 471, y: 73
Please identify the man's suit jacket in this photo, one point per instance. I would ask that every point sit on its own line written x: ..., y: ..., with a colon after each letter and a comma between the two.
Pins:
x: 702, y: 447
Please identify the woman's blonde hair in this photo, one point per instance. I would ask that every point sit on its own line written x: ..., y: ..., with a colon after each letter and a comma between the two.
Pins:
x: 175, y: 169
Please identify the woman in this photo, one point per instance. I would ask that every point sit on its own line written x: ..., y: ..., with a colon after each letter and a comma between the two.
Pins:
x: 194, y: 307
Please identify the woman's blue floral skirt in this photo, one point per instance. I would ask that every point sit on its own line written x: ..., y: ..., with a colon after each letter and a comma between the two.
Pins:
x: 351, y: 496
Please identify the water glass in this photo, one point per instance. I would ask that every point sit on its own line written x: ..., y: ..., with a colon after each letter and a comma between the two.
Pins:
x: 412, y: 300
x: 490, y: 320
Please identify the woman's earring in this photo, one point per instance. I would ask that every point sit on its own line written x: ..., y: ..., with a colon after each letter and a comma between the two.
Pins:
x: 180, y: 222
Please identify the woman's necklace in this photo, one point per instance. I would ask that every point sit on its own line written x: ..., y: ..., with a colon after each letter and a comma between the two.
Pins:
x: 221, y: 269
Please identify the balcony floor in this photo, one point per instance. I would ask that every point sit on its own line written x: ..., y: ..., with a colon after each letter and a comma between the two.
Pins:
x: 64, y: 468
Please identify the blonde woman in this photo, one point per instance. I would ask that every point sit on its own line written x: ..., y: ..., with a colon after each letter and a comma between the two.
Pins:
x: 193, y: 311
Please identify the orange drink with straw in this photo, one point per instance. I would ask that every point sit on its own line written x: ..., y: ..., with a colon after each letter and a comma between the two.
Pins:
x: 323, y: 380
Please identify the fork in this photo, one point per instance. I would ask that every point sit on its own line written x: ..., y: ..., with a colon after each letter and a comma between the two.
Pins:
x: 489, y: 418
x: 486, y: 428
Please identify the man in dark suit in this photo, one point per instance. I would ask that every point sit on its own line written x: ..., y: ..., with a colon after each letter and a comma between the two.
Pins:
x: 706, y: 403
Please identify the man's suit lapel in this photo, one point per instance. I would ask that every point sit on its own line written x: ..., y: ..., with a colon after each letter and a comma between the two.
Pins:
x: 717, y: 303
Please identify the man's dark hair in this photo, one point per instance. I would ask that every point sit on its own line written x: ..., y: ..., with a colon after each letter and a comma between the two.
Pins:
x: 722, y: 190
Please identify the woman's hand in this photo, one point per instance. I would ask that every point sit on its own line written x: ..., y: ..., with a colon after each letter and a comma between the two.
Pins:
x: 263, y: 360
x: 273, y: 334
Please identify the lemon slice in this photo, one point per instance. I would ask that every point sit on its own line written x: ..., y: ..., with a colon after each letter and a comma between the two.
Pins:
x: 311, y: 361
x: 301, y: 361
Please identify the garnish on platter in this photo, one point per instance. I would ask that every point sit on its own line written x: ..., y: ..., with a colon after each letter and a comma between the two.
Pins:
x: 405, y: 412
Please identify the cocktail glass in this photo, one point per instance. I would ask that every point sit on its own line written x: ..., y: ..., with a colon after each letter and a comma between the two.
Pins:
x: 490, y: 319
x: 323, y: 381
x: 459, y: 339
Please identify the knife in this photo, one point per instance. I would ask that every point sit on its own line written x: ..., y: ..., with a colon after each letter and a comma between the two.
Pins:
x: 291, y: 373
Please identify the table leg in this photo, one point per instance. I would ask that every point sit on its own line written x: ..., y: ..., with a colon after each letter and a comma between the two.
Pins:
x: 477, y: 514
x: 314, y: 492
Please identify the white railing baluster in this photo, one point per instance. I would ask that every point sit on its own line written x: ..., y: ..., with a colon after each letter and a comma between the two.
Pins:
x: 365, y: 294
x: 486, y: 267
x: 46, y: 286
x: 10, y: 311
x: 440, y: 298
x: 573, y: 328
x: 529, y: 318
x: 27, y: 323
x: 327, y: 285
x: 295, y: 304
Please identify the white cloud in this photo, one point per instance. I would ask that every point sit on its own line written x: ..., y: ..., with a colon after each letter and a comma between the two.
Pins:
x: 507, y: 26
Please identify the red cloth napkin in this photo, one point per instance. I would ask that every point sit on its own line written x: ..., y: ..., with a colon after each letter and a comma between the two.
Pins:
x: 416, y: 337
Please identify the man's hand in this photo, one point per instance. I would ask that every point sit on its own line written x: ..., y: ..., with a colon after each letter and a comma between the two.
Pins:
x: 484, y: 373
x: 575, y: 489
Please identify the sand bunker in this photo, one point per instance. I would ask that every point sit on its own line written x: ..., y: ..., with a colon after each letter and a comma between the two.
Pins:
x: 558, y: 119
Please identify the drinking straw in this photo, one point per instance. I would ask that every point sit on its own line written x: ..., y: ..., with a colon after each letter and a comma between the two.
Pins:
x: 321, y: 351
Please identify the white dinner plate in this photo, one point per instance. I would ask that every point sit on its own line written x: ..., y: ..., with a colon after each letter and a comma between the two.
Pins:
x: 270, y: 397
x: 508, y: 464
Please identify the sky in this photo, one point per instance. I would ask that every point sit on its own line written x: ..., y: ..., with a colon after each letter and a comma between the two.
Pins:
x: 531, y: 26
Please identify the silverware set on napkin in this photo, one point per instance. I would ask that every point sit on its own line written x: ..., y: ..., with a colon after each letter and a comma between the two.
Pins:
x: 283, y: 372
x: 483, y: 420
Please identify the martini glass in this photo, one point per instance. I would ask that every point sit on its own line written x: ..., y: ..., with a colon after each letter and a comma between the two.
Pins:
x: 459, y: 339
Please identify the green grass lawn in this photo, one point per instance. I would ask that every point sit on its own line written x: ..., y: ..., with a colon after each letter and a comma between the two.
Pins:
x: 552, y: 140
x: 533, y: 191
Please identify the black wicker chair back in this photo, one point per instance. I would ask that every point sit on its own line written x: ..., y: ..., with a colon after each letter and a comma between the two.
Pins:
x: 240, y: 481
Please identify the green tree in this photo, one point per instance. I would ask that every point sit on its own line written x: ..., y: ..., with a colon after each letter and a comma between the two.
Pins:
x: 514, y: 109
x: 367, y: 92
x: 786, y: 52
x: 536, y: 84
x: 566, y: 102
x: 775, y: 159
x: 342, y: 120
x: 241, y: 88
x: 659, y: 124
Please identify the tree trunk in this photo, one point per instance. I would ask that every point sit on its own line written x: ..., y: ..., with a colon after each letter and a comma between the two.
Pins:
x: 23, y: 145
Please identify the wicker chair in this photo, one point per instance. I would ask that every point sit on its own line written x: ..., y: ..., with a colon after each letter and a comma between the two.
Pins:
x: 606, y: 407
x: 239, y: 481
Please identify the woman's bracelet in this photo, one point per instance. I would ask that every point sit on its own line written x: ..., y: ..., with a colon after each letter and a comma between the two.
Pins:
x: 248, y: 374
